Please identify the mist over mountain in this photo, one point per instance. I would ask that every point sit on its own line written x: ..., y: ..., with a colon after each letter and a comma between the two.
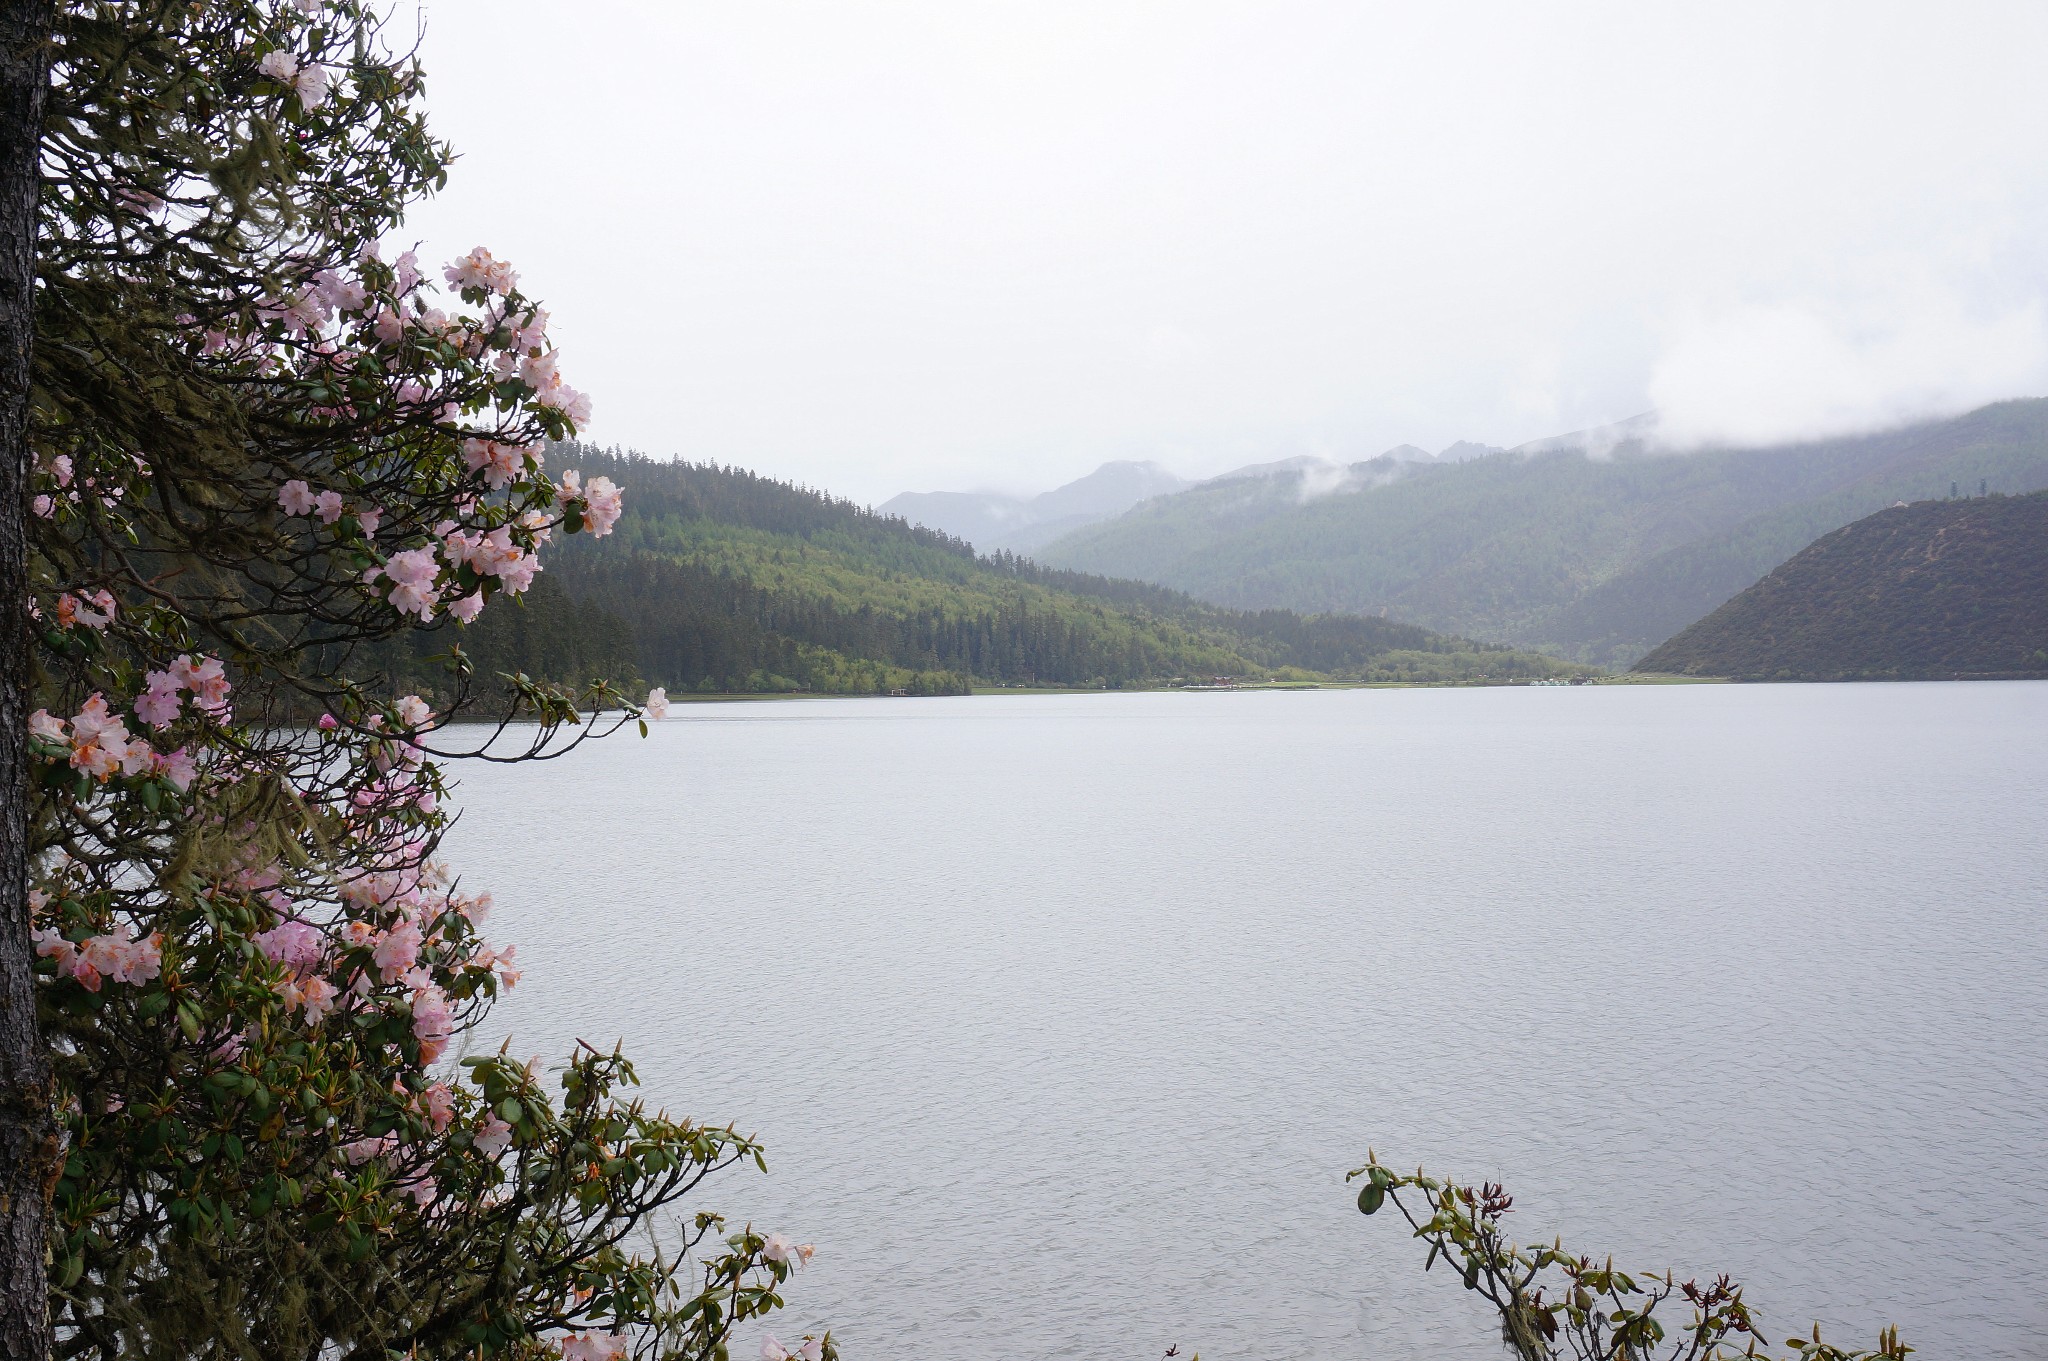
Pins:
x: 992, y: 521
x: 1597, y: 545
x: 995, y: 522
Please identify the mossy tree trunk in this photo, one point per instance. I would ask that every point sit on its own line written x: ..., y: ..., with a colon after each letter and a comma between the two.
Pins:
x: 28, y: 1131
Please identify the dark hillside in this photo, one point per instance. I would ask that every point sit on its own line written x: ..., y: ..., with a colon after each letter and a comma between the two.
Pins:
x: 1931, y: 591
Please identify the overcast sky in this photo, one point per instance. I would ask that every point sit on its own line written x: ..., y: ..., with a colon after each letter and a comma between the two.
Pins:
x: 881, y: 247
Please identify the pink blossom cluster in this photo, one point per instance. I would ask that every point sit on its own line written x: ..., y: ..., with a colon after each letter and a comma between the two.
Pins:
x: 493, y: 554
x: 482, y: 271
x: 499, y: 462
x: 413, y: 575
x: 296, y: 497
x: 391, y: 306
x: 812, y: 1349
x: 602, y: 501
x: 656, y: 706
x: 101, y: 747
x: 205, y: 678
x: 594, y: 1347
x: 302, y: 949
x: 72, y: 490
x: 115, y: 954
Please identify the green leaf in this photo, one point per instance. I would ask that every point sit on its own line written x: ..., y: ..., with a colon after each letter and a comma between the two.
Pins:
x: 1371, y: 1198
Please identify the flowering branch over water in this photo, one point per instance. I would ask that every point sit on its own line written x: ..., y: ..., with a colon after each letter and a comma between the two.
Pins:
x: 1556, y: 1304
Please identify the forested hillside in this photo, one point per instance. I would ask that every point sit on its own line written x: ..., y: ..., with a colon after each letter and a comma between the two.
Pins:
x: 720, y: 580
x: 1933, y: 591
x: 1596, y: 558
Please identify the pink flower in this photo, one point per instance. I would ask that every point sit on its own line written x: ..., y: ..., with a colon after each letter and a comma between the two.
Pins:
x: 811, y: 1350
x: 295, y: 944
x: 328, y: 503
x: 61, y: 466
x: 479, y: 270
x: 508, y: 977
x: 413, y: 712
x: 777, y: 1248
x: 296, y: 498
x: 518, y: 574
x: 397, y: 951
x: 121, y: 957
x: 179, y: 769
x: 423, y: 1189
x: 469, y: 607
x: 281, y: 66
x: 312, y: 82
x: 99, y: 740
x: 51, y: 944
x: 206, y: 679
x: 343, y: 295
x: 315, y: 995
x: 656, y: 707
x: 493, y: 1138
x: 95, y: 721
x: 407, y: 268
x: 45, y: 727
x: 412, y: 575
x: 539, y: 373
x: 432, y: 1022
x: 43, y: 507
x: 533, y: 334
x: 498, y: 463
x: 440, y: 1106
x: 594, y: 1347
x: 603, y: 503
x: 159, y: 704
x: 389, y: 327
x: 361, y: 1151
x: 328, y: 723
x: 370, y: 519
x: 72, y: 610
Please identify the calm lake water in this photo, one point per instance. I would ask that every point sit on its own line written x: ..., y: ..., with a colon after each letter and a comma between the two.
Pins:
x: 1064, y: 1016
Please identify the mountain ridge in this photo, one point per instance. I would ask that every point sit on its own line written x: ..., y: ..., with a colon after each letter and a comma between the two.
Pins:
x: 718, y: 579
x: 1598, y: 556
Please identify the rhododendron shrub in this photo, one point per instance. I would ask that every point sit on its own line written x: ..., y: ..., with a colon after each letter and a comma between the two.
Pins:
x: 265, y: 435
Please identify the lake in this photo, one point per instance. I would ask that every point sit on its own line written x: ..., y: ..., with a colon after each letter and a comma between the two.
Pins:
x: 1063, y: 1016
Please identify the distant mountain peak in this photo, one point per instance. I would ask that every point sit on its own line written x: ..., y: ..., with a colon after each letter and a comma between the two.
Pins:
x: 992, y: 520
x: 1599, y: 441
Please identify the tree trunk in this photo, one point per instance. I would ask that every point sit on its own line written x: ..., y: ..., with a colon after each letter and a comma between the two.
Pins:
x: 28, y: 1128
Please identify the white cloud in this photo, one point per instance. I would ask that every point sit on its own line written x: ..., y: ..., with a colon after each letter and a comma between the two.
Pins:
x: 916, y: 243
x: 1770, y: 372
